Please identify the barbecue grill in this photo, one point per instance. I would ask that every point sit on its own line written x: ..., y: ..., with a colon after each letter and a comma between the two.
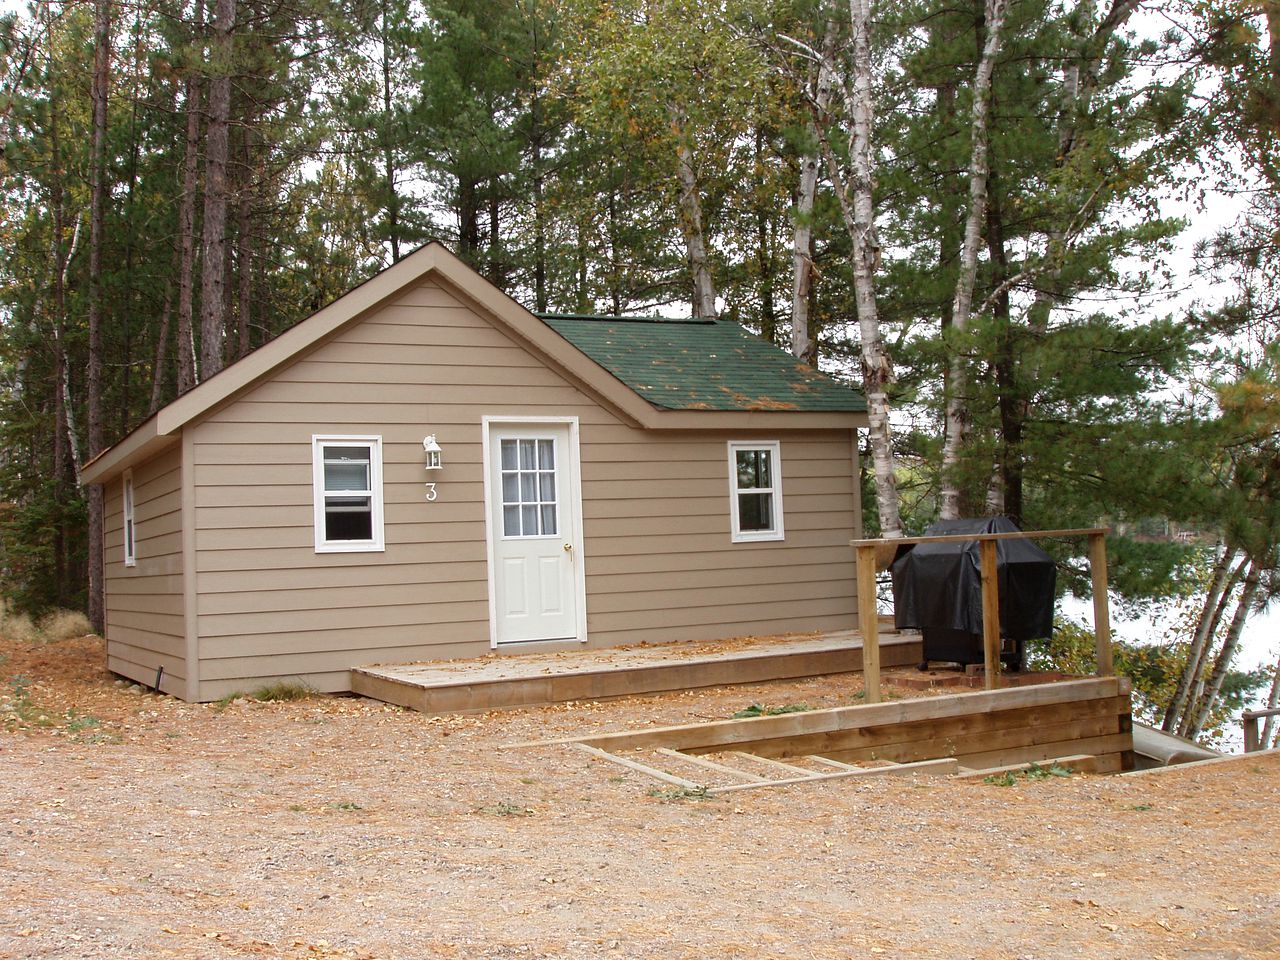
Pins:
x: 937, y: 589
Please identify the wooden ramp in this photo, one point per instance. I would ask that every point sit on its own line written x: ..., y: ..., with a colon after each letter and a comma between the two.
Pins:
x: 501, y: 682
x: 1083, y: 724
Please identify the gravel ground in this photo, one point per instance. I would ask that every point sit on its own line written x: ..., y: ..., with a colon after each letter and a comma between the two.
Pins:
x: 139, y: 826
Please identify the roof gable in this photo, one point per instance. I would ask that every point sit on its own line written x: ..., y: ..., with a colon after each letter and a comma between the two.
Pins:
x: 434, y: 261
x: 704, y: 365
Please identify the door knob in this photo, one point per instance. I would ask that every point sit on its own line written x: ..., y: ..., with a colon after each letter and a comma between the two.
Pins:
x: 568, y: 547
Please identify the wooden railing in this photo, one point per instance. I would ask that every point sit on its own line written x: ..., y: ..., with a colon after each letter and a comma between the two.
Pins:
x: 1252, y: 735
x: 870, y: 623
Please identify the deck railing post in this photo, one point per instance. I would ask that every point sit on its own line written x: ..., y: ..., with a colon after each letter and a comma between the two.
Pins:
x: 990, y: 614
x: 869, y: 622
x: 1101, y: 607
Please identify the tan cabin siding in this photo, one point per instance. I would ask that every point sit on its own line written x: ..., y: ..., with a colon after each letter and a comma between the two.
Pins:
x: 659, y: 562
x: 144, y: 603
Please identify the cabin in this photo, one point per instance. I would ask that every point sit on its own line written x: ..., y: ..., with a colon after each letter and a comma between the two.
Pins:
x: 425, y: 470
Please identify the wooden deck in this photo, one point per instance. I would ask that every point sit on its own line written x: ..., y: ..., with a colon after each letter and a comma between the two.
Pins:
x: 502, y: 681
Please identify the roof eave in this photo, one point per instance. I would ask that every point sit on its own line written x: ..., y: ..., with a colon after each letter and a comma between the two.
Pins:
x: 144, y: 442
x: 775, y: 420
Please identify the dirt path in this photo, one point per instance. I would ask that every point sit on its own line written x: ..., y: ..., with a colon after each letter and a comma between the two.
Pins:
x: 137, y: 826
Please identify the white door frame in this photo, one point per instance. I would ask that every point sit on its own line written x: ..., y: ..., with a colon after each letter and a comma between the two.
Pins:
x: 573, y: 471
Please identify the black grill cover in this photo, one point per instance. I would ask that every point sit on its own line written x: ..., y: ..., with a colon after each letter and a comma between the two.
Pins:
x: 939, y: 585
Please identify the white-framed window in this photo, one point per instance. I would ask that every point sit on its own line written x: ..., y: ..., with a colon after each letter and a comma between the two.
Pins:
x: 347, y: 478
x: 130, y: 538
x: 755, y: 490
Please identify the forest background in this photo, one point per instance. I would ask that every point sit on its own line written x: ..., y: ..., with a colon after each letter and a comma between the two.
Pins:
x: 962, y: 208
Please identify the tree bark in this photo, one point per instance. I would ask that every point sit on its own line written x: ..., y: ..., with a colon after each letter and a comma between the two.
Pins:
x: 185, y: 352
x: 1222, y: 664
x: 1206, y: 626
x: 214, y: 252
x: 1267, y: 738
x: 388, y: 145
x: 97, y: 231
x: 957, y: 412
x: 803, y: 347
x: 244, y: 246
x: 704, y: 290
x: 162, y: 351
x: 1195, y: 688
x: 857, y: 208
x: 764, y: 247
x: 61, y: 488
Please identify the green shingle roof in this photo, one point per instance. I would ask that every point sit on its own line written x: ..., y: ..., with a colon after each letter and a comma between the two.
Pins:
x: 703, y: 365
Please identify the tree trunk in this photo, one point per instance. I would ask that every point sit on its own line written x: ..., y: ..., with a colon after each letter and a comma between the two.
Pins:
x: 1267, y: 739
x: 1210, y: 615
x: 803, y: 347
x: 704, y: 290
x: 1006, y: 494
x: 61, y: 488
x: 497, y: 270
x: 957, y: 412
x: 1228, y: 652
x: 388, y: 145
x: 162, y: 350
x: 468, y: 221
x: 185, y: 350
x: 244, y: 246
x: 857, y: 209
x: 1196, y: 680
x: 214, y: 246
x: 97, y: 231
x: 764, y: 239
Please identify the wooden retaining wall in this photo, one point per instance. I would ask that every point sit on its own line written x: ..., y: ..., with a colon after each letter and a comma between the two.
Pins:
x: 982, y: 729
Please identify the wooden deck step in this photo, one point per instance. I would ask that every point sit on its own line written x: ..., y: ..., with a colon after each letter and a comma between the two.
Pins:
x: 513, y: 681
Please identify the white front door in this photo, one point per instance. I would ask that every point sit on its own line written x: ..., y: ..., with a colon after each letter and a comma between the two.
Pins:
x: 534, y: 523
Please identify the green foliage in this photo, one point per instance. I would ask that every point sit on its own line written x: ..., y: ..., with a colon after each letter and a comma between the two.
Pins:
x: 1153, y: 667
x: 1033, y: 771
x: 283, y: 691
x: 757, y: 710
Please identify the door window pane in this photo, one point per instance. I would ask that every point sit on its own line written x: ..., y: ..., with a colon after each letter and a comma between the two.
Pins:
x: 529, y: 504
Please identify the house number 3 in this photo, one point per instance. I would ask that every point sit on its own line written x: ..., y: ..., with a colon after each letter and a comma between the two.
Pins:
x: 431, y: 492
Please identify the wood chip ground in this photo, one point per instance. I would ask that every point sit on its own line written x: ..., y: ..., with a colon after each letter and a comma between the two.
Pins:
x: 139, y: 826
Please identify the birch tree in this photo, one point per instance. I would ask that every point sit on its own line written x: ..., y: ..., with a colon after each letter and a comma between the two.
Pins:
x: 957, y: 414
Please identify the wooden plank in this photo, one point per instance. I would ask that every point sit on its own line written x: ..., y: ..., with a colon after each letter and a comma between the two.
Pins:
x: 967, y: 537
x: 828, y: 762
x: 1229, y: 758
x: 712, y: 765
x: 706, y: 736
x: 638, y: 767
x: 1101, y: 609
x: 788, y: 768
x: 869, y: 623
x: 933, y: 768
x: 990, y: 615
x: 976, y: 732
x: 1040, y: 752
x: 1080, y: 762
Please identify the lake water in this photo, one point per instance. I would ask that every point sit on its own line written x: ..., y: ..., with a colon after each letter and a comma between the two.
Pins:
x: 1259, y: 644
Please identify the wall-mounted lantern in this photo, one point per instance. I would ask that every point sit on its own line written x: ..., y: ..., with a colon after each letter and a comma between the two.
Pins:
x: 432, y: 450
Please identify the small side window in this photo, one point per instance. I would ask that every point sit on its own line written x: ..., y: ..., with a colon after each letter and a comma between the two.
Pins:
x: 130, y: 541
x: 755, y: 494
x: 347, y: 477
